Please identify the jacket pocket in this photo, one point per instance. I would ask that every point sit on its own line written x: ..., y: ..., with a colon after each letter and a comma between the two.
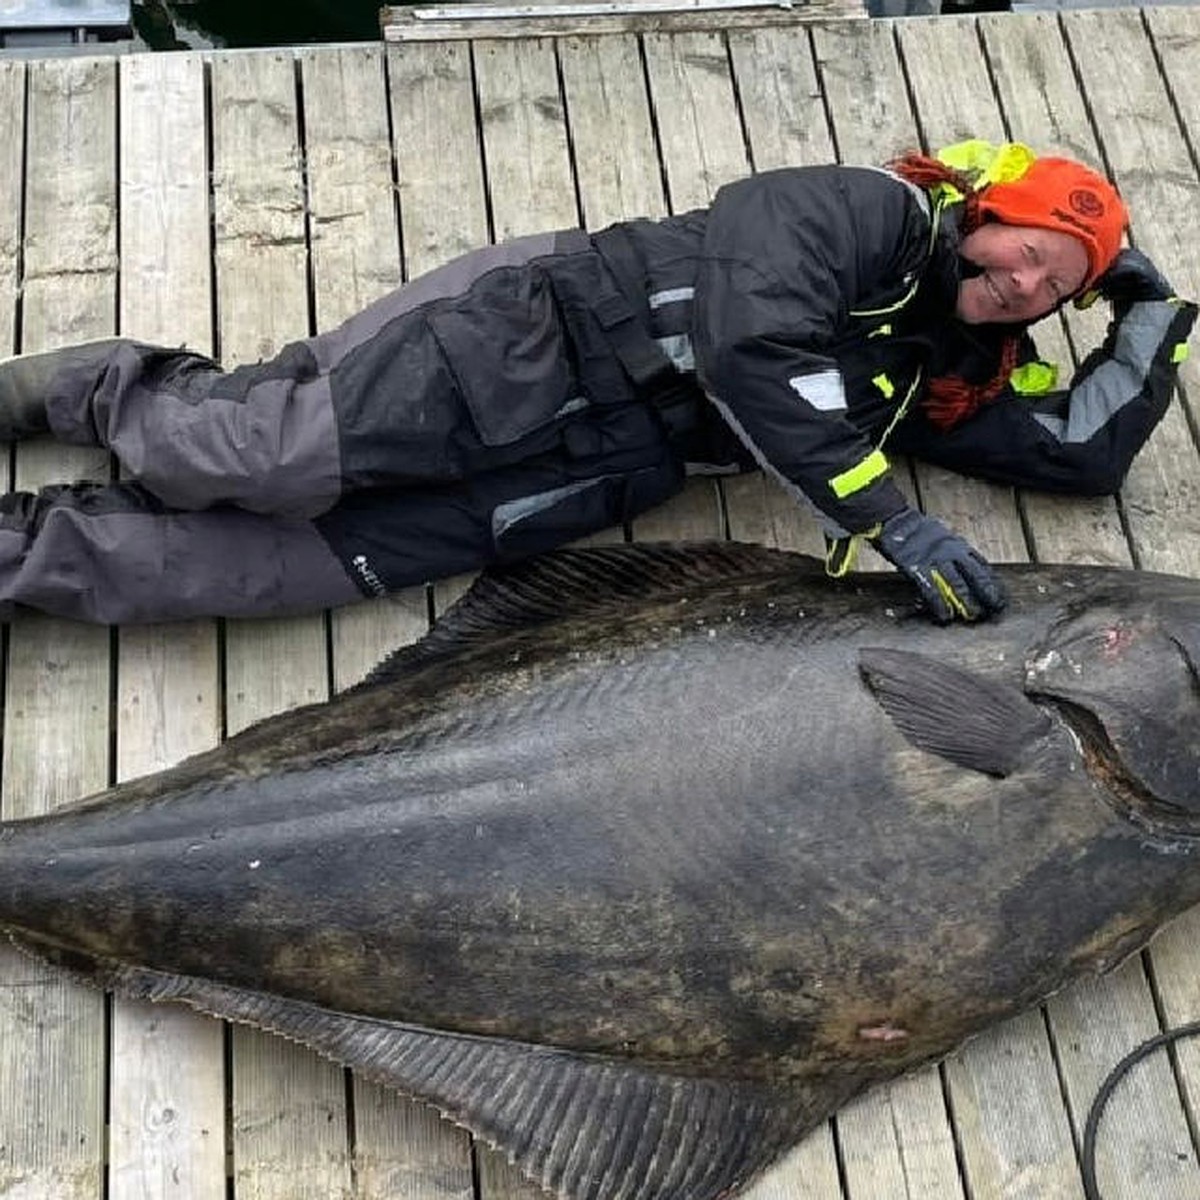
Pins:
x: 508, y: 349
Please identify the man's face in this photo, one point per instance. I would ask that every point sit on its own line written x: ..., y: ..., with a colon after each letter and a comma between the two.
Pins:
x: 1026, y: 272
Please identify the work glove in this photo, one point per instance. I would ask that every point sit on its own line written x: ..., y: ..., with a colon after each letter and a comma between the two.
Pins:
x: 952, y: 577
x: 1132, y: 277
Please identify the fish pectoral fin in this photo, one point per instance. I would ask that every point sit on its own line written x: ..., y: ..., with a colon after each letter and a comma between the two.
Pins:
x: 583, y: 1127
x: 966, y: 718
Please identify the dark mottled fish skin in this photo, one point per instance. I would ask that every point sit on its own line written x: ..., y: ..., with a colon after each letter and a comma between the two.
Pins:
x: 648, y: 858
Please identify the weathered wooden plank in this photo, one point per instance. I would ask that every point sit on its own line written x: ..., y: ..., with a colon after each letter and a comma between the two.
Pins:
x: 524, y: 138
x: 289, y: 1121
x: 12, y: 154
x: 894, y: 1142
x: 400, y: 23
x: 166, y: 1091
x: 1179, y: 985
x: 608, y: 111
x: 1008, y: 1116
x: 1144, y: 145
x: 1095, y: 1023
x: 57, y: 683
x: 781, y: 100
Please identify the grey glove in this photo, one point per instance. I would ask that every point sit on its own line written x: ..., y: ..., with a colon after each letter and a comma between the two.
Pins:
x: 1131, y: 277
x: 953, y: 578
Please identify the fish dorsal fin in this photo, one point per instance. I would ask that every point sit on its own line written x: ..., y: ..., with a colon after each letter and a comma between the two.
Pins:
x: 580, y: 580
x: 966, y: 718
x: 583, y: 1128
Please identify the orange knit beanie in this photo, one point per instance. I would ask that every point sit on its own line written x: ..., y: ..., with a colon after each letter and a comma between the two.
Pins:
x: 1060, y: 194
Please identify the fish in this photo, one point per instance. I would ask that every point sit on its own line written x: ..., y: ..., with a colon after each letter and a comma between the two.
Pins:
x: 648, y: 858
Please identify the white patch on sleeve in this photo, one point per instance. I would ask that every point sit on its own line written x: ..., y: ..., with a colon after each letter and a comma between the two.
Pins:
x: 823, y: 390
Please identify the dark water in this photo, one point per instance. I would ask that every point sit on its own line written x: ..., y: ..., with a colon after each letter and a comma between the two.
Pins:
x: 183, y: 24
x: 180, y: 24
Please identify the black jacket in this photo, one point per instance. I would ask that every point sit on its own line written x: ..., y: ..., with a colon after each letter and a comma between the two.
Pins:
x: 814, y: 303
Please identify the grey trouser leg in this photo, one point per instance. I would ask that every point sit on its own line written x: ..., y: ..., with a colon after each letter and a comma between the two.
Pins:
x: 264, y: 437
x: 112, y: 554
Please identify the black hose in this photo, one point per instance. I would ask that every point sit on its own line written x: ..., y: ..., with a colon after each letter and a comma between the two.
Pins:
x: 1090, y: 1189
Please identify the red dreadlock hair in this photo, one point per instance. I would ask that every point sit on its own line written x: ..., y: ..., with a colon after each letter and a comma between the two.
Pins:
x: 950, y: 399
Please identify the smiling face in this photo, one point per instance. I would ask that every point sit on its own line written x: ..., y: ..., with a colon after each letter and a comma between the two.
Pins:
x: 1026, y: 271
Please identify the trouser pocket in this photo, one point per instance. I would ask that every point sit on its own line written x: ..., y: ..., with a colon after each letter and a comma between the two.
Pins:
x: 510, y: 353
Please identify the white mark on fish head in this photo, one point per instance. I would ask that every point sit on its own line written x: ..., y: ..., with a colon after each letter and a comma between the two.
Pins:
x: 1041, y: 665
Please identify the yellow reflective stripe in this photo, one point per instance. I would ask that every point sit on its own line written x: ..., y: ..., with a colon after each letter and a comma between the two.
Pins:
x: 860, y: 475
x: 885, y: 385
x: 902, y: 408
x: 949, y: 595
x: 1034, y: 378
x: 935, y: 221
x: 1180, y: 353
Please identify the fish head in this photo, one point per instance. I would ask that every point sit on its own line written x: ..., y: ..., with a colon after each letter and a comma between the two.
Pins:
x: 1122, y: 669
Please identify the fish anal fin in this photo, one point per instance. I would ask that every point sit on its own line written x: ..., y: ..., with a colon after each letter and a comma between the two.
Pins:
x: 582, y: 1127
x: 972, y: 721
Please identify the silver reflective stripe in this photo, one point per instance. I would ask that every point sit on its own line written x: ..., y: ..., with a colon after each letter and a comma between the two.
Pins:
x: 573, y: 405
x: 670, y: 296
x: 1117, y: 382
x: 678, y: 348
x: 823, y: 390
x: 510, y: 513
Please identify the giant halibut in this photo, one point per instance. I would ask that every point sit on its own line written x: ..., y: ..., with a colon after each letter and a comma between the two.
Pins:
x: 646, y: 859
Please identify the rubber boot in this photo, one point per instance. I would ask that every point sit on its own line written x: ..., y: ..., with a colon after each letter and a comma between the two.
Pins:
x: 26, y: 381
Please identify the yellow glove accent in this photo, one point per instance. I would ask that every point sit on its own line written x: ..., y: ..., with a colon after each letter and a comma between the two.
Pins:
x: 987, y: 163
x: 841, y: 553
x: 949, y: 595
x: 1180, y: 353
x: 1034, y: 378
x: 885, y: 385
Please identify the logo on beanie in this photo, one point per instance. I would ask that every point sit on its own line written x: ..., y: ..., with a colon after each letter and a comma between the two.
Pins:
x: 1086, y: 203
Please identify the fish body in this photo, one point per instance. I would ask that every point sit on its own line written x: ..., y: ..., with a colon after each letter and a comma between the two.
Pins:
x: 647, y: 859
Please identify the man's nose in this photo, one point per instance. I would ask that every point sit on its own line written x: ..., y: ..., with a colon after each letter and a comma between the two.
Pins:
x: 1027, y: 279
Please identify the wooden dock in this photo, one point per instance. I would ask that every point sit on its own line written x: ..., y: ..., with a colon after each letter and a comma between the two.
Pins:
x: 237, y: 200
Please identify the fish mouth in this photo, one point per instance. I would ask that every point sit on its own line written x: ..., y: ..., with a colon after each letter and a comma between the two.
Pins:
x: 1129, y: 796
